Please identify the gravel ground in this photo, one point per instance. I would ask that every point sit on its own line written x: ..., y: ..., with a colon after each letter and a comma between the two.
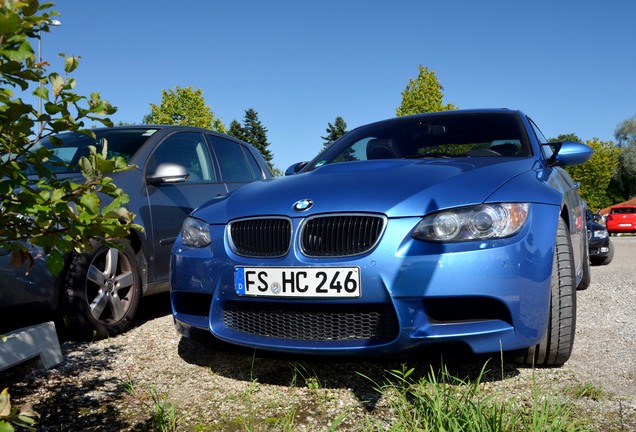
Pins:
x: 117, y: 384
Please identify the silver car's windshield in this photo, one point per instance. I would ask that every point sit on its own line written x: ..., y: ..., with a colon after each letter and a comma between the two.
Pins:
x: 120, y: 142
x: 432, y: 136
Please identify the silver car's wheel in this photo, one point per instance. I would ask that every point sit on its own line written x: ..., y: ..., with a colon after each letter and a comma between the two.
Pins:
x: 556, y: 346
x: 102, y: 292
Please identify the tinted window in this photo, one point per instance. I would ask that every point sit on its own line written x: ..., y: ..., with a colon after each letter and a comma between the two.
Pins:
x: 432, y: 136
x: 234, y: 165
x: 547, y: 150
x: 188, y: 149
x: 120, y: 142
x: 624, y: 210
x: 256, y: 169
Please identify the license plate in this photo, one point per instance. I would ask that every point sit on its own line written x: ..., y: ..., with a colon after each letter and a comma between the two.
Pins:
x: 625, y: 225
x: 325, y: 282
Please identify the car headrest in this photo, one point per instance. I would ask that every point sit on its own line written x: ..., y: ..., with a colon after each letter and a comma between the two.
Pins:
x: 382, y: 148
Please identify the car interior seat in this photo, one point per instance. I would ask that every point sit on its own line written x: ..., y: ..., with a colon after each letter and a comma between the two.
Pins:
x: 382, y: 148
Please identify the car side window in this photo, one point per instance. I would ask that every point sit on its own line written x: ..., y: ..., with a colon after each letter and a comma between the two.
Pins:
x: 234, y: 164
x: 546, y: 149
x: 189, y: 150
x: 256, y: 169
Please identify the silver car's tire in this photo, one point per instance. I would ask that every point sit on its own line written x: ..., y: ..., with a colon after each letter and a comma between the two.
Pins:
x: 556, y: 346
x: 101, y: 292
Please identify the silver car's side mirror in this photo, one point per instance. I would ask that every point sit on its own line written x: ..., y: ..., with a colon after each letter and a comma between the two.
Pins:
x: 168, y: 173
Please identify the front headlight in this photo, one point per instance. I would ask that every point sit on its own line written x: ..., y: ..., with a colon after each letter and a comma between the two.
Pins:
x: 600, y: 234
x: 481, y: 222
x: 195, y: 233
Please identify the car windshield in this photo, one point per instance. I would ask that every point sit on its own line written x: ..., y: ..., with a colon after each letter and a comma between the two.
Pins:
x: 120, y: 142
x: 432, y: 136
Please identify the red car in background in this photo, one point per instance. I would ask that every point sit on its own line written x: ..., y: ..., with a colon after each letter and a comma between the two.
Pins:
x: 621, y: 219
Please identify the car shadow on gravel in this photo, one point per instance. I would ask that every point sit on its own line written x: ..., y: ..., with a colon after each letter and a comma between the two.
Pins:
x: 66, y: 398
x: 364, y: 376
x: 151, y: 307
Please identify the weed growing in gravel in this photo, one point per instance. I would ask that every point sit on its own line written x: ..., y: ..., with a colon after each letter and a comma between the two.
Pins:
x: 164, y: 416
x: 440, y: 401
x: 587, y: 390
x: 310, y: 379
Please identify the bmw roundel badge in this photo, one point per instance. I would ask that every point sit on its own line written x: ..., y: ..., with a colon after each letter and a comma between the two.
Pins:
x: 303, y: 205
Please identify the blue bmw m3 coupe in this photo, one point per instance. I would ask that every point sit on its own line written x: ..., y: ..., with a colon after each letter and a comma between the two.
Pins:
x: 456, y: 227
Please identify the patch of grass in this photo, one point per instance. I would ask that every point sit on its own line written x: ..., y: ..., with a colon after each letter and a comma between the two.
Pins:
x: 439, y: 401
x: 163, y: 416
x: 310, y: 379
x: 587, y: 390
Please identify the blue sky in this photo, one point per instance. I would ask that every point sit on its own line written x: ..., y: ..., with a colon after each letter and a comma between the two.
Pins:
x: 571, y: 66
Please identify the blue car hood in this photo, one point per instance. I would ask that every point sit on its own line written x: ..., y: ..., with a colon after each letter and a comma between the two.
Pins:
x: 397, y: 188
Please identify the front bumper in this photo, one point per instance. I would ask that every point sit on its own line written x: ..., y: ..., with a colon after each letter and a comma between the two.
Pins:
x: 489, y: 296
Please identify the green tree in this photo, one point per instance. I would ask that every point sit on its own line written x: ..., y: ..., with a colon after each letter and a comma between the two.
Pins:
x: 423, y: 94
x: 572, y: 137
x: 334, y: 131
x: 252, y: 131
x: 186, y: 107
x: 595, y: 175
x: 237, y: 130
x: 624, y: 182
x: 60, y: 215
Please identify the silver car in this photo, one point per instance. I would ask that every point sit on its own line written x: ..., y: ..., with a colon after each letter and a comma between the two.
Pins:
x: 178, y: 168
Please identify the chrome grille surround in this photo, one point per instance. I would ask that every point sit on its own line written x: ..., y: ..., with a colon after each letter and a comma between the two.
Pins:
x: 341, y: 234
x: 268, y: 237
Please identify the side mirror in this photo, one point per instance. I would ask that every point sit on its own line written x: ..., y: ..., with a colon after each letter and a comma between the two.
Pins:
x: 295, y: 168
x: 168, y: 173
x: 569, y: 153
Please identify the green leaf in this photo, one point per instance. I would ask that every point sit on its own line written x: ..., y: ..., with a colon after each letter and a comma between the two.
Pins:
x: 6, y: 427
x: 55, y: 263
x: 70, y: 64
x: 57, y: 83
x: 42, y: 92
x: 91, y: 201
x: 86, y: 167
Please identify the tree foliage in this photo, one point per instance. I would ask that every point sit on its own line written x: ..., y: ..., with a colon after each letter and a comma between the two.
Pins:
x: 237, y: 131
x: 60, y: 215
x: 572, y: 137
x: 334, y: 131
x: 185, y: 107
x: 423, y: 94
x: 624, y: 183
x: 595, y: 175
x: 252, y: 131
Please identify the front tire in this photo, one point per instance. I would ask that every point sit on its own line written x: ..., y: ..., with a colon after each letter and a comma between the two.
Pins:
x: 556, y: 346
x: 101, y: 292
